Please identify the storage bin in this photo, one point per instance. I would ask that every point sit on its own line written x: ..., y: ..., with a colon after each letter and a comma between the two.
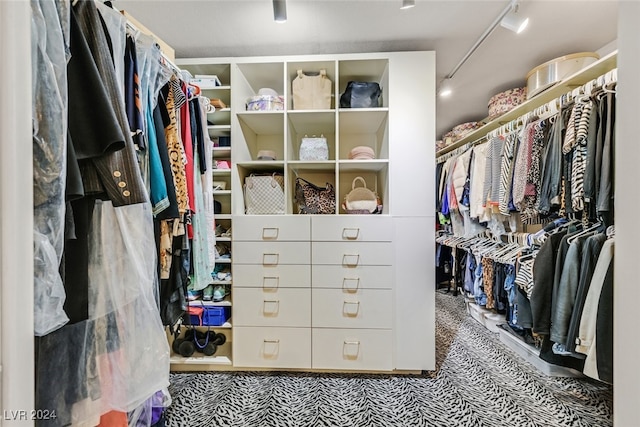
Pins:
x: 211, y: 316
x: 462, y: 130
x: 506, y: 101
x: 558, y: 69
x: 265, y: 103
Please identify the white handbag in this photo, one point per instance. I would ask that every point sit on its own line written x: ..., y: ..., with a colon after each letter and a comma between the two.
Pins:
x: 314, y: 148
x: 264, y: 194
x: 311, y: 91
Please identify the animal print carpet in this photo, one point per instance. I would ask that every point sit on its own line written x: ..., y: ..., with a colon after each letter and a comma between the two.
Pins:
x: 477, y: 382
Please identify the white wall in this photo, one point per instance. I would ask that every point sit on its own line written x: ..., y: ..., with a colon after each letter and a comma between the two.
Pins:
x: 16, y: 216
x: 626, y: 391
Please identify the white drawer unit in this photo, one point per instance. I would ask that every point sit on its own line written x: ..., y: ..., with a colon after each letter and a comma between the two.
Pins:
x: 271, y: 228
x: 352, y: 278
x: 365, y: 308
x: 352, y: 254
x: 352, y: 228
x: 271, y: 347
x: 352, y: 349
x: 271, y: 253
x: 271, y: 276
x: 277, y: 307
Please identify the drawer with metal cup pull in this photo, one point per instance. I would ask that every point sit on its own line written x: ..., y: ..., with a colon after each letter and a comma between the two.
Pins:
x: 271, y: 253
x: 352, y: 254
x: 271, y: 347
x: 272, y: 307
x: 352, y: 349
x: 352, y: 278
x: 271, y: 276
x: 356, y: 228
x: 271, y: 228
x: 365, y: 308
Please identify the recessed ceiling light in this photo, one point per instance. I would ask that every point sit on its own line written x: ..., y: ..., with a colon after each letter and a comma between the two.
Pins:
x: 280, y: 11
x: 408, y: 4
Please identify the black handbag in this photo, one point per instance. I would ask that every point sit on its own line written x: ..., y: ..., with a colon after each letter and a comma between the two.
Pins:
x: 361, y: 95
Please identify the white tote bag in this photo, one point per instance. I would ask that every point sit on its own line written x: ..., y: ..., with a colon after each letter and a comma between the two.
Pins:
x: 264, y: 194
x: 311, y: 91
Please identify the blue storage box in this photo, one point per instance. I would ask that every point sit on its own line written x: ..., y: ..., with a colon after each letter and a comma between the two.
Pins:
x: 211, y: 316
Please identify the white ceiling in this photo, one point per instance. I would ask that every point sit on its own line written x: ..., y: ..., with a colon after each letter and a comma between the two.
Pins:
x: 222, y: 28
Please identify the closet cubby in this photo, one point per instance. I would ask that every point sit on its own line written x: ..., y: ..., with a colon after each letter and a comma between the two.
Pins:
x: 259, y: 130
x: 364, y: 70
x: 311, y: 67
x: 318, y: 174
x: 377, y: 181
x: 310, y: 124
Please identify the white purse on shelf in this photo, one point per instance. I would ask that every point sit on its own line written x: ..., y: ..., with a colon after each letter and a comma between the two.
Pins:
x: 314, y: 148
x: 264, y: 194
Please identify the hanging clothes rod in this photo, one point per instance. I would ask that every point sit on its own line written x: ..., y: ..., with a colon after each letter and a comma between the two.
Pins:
x: 165, y: 58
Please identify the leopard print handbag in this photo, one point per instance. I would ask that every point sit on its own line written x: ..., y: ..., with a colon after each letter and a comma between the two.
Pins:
x: 312, y: 199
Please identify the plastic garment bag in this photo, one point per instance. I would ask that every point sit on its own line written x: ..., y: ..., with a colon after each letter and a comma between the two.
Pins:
x: 207, y: 179
x: 49, y: 89
x: 149, y: 412
x: 202, y: 265
x: 119, y: 357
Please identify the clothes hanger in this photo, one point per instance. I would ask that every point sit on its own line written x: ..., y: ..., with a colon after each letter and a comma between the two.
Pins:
x: 585, y: 232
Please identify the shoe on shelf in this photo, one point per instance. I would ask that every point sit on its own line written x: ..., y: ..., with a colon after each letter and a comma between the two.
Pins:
x: 193, y: 295
x: 207, y: 293
x: 219, y: 292
x: 224, y: 276
x: 226, y: 233
x: 219, y: 230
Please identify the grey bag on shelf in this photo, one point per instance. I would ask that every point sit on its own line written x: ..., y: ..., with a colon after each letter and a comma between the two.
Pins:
x: 264, y: 194
x: 361, y: 95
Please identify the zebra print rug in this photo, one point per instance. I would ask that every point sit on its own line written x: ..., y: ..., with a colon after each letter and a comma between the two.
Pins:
x: 477, y: 382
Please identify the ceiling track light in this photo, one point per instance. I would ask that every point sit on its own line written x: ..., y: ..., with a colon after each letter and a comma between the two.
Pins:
x: 408, y: 4
x: 513, y: 22
x: 280, y: 11
x: 512, y: 8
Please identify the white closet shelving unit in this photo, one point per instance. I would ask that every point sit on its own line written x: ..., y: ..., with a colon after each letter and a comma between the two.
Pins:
x: 329, y: 292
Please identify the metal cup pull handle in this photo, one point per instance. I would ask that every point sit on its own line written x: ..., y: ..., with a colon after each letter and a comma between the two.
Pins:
x: 350, y: 312
x: 351, y: 349
x: 350, y: 260
x: 353, y: 281
x: 350, y: 233
x: 270, y: 233
x: 271, y: 307
x: 270, y: 282
x: 270, y: 259
x: 270, y: 348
